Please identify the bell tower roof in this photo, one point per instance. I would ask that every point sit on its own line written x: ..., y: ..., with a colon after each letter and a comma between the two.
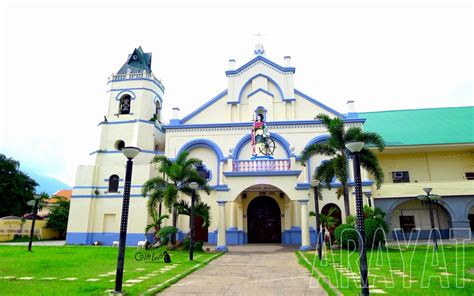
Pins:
x: 137, y: 62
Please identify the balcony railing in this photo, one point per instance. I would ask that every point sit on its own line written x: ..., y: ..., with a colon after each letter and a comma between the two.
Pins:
x: 261, y: 165
x: 139, y: 75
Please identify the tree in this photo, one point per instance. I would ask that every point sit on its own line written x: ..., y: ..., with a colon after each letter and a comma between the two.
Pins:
x: 16, y: 188
x: 334, y: 147
x: 58, y: 216
x: 176, y: 178
x: 200, y: 209
x: 156, y: 223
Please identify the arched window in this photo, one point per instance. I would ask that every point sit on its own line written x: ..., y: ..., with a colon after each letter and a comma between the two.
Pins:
x: 113, y: 183
x: 261, y: 110
x: 158, y: 111
x: 125, y: 104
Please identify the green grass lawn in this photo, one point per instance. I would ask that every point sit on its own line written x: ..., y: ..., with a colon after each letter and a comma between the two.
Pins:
x: 412, y: 271
x: 87, y: 262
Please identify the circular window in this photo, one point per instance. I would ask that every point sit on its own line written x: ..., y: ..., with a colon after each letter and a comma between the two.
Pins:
x: 119, y: 145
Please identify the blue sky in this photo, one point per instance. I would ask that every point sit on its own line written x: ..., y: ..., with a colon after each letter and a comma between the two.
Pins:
x: 382, y: 54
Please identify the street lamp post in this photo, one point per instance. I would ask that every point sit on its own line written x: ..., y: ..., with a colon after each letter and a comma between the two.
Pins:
x: 130, y: 153
x: 315, y: 183
x: 34, y: 203
x: 429, y: 199
x: 355, y: 148
x: 368, y: 194
x: 193, y: 186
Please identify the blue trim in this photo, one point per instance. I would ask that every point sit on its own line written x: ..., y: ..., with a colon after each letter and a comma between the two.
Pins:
x: 303, y: 201
x: 352, y: 115
x: 306, y: 248
x: 151, y: 80
x: 208, y: 144
x: 242, y: 89
x: 202, y: 143
x: 248, y: 137
x: 249, y: 124
x: 222, y: 249
x: 262, y: 173
x: 422, y: 234
x: 118, y: 152
x: 263, y: 59
x: 212, y: 237
x: 261, y: 157
x: 106, y: 238
x: 260, y: 90
x: 137, y: 88
x: 292, y: 236
x: 133, y: 96
x: 103, y: 196
x: 220, y: 188
x: 234, y: 236
x: 304, y: 96
x: 104, y: 187
x: 315, y: 140
x: 221, y: 203
x: 160, y: 128
x: 198, y: 110
x: 302, y: 186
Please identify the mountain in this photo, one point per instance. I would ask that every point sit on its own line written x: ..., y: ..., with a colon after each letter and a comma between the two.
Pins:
x: 47, y: 184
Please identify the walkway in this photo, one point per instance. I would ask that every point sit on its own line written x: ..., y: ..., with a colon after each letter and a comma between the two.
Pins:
x: 250, y: 270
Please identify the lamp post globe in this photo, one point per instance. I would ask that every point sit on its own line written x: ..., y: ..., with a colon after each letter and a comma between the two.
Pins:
x: 130, y: 153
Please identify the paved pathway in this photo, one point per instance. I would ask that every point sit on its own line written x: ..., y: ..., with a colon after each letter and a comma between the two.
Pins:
x: 250, y: 270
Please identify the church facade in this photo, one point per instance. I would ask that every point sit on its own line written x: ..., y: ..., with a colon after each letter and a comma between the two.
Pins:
x: 260, y: 192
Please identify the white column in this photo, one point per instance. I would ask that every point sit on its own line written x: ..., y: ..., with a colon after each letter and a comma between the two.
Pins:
x: 295, y: 215
x: 305, y: 242
x: 221, y: 239
x: 232, y: 224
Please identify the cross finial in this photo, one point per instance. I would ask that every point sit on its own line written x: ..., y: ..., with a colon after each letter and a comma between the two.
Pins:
x: 259, y: 46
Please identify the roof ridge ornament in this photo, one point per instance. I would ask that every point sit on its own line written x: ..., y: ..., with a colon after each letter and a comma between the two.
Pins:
x: 259, y: 50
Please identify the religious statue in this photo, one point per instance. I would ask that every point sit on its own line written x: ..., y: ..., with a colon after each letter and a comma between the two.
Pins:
x: 260, y: 135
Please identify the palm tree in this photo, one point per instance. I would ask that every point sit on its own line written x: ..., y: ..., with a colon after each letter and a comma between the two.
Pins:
x: 200, y: 209
x: 176, y: 178
x: 156, y: 223
x: 335, y: 148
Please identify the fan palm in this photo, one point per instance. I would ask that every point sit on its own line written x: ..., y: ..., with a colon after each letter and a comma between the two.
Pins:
x: 336, y: 167
x: 177, y: 175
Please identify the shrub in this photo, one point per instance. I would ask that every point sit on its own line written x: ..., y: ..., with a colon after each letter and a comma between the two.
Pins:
x: 165, y: 234
x: 346, y: 236
x: 374, y: 233
x: 351, y: 220
x: 197, y: 245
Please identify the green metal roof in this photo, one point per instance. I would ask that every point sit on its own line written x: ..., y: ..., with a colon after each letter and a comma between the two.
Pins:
x: 137, y: 62
x: 451, y: 125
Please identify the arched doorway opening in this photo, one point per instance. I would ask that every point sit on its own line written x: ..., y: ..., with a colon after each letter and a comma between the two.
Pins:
x: 412, y: 215
x: 264, y: 220
x: 332, y: 214
x: 470, y: 217
x: 200, y: 232
x: 333, y: 211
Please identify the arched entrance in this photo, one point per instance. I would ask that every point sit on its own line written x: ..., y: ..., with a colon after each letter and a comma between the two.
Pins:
x: 411, y: 215
x: 264, y: 220
x: 336, y: 213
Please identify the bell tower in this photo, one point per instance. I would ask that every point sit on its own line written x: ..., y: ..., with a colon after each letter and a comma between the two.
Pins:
x: 133, y: 118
